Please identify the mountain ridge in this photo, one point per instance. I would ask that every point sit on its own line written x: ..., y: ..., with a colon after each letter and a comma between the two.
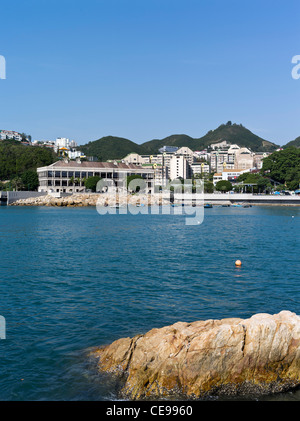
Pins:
x: 293, y: 143
x: 114, y: 147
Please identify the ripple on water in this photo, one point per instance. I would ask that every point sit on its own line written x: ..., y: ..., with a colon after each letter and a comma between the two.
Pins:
x: 72, y: 279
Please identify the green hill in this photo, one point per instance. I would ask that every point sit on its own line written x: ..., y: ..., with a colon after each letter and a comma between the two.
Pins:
x: 111, y: 147
x: 293, y: 143
x: 237, y: 134
x: 233, y: 133
x: 15, y: 158
x: 152, y: 146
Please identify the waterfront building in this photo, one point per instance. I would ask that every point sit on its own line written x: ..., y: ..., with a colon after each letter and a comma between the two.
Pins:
x: 66, y: 176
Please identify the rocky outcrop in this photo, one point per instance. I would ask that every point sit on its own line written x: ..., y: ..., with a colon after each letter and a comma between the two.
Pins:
x: 90, y: 199
x: 229, y: 356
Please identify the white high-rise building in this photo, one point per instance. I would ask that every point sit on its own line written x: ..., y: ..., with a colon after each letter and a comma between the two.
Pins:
x: 64, y: 142
x: 179, y: 167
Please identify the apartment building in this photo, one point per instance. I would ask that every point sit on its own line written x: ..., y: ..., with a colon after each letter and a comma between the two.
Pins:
x: 10, y: 134
x: 179, y: 167
x: 199, y: 168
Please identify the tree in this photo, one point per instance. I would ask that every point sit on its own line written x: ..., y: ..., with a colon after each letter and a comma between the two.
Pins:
x: 208, y: 187
x: 254, y: 182
x: 17, y: 183
x: 263, y: 184
x: 91, y: 182
x: 16, y: 158
x: 293, y: 185
x: 224, y: 186
x: 283, y: 167
x: 30, y: 180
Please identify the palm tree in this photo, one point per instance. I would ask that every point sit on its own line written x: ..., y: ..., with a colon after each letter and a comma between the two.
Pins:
x: 17, y: 183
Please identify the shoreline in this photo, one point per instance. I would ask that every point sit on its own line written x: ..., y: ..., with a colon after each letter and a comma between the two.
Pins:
x: 103, y: 199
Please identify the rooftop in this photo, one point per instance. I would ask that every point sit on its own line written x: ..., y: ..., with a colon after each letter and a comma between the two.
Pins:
x: 89, y: 164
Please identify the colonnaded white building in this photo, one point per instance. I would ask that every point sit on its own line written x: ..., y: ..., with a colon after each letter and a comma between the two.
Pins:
x: 66, y: 176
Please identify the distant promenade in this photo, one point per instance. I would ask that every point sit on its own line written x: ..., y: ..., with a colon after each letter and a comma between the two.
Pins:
x: 253, y: 199
x: 90, y: 199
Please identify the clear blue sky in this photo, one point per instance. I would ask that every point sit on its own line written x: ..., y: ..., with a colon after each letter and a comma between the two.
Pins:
x: 145, y: 69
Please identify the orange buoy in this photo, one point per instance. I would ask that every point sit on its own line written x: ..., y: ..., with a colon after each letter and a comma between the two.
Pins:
x: 238, y: 263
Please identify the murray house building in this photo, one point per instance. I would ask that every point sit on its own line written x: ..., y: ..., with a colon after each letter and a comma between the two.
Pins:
x: 67, y: 176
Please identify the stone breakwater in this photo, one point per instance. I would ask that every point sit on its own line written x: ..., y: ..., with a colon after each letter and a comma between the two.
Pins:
x: 88, y: 199
x: 229, y: 356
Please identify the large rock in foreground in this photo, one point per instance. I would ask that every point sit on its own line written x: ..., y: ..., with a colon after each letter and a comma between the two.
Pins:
x: 230, y: 356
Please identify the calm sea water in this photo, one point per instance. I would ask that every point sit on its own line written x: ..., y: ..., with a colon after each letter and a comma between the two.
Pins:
x: 72, y: 279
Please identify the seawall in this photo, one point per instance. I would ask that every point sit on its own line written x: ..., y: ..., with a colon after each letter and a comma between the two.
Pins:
x: 90, y: 199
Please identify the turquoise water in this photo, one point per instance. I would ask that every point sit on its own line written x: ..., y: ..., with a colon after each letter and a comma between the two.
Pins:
x: 72, y: 279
